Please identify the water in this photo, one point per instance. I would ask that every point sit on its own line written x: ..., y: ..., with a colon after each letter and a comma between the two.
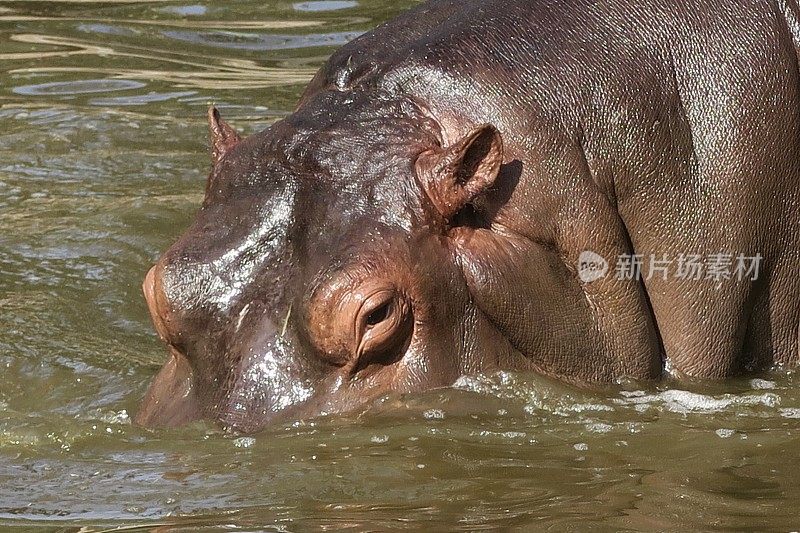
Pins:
x: 103, y: 154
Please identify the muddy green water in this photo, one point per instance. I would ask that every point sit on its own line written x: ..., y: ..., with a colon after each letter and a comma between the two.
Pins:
x: 103, y: 154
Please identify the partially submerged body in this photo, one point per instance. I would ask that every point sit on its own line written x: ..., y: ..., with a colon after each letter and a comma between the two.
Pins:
x: 426, y: 210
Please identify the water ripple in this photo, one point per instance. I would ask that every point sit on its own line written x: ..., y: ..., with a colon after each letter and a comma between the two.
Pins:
x: 78, y: 87
x: 261, y: 41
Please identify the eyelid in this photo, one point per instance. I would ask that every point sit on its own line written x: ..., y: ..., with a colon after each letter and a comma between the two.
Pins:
x: 373, y: 301
x: 376, y: 301
x: 379, y: 338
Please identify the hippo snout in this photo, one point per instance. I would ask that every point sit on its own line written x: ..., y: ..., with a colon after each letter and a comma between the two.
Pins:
x: 170, y: 400
x: 240, y: 370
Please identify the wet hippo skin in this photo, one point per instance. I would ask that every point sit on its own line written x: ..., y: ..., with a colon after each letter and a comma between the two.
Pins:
x: 424, y: 212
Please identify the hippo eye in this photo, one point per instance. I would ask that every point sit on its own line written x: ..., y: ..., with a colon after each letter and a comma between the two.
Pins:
x: 382, y: 324
x: 379, y: 315
x: 377, y: 308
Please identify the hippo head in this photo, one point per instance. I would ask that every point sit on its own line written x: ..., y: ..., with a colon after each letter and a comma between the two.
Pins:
x: 321, y: 271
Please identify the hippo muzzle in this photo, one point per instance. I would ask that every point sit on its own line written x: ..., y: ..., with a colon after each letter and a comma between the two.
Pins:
x: 258, y: 376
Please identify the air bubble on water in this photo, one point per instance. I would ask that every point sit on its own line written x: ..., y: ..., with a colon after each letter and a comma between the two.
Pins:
x: 725, y: 433
x: 790, y: 412
x: 582, y: 407
x: 433, y: 414
x: 633, y: 393
x: 502, y: 385
x: 114, y: 417
x: 379, y: 439
x: 762, y: 384
x: 244, y: 442
x: 471, y: 384
x: 581, y: 446
x: 771, y: 400
x: 669, y: 368
x: 599, y: 427
x: 500, y: 434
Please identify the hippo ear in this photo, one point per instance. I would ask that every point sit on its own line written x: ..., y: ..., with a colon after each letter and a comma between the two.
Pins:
x: 223, y: 137
x: 455, y: 176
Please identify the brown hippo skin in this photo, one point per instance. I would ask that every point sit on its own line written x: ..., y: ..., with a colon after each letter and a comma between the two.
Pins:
x: 421, y: 214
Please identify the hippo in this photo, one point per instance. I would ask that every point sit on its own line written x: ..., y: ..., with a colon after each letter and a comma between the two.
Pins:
x: 597, y: 192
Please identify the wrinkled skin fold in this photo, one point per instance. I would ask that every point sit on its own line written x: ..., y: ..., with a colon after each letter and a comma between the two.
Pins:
x: 422, y: 213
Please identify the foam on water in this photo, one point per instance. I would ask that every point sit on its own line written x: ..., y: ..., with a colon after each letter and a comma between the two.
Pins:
x: 541, y: 395
x: 683, y: 402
